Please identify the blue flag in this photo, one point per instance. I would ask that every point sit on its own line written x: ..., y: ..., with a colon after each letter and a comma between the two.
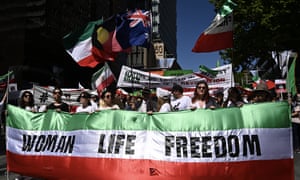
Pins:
x: 133, y: 28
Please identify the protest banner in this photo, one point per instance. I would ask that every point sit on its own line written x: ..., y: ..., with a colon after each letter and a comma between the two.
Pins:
x: 43, y: 95
x: 250, y: 142
x: 130, y: 77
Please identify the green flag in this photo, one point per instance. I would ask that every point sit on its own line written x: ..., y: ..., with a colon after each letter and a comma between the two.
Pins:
x: 208, y: 71
x: 5, y: 76
x: 177, y: 72
x: 291, y: 78
x: 227, y: 8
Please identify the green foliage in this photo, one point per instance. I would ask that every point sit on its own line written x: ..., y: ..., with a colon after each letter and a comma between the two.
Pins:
x: 262, y: 26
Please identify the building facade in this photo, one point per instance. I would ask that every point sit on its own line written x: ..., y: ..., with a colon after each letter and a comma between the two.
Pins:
x: 32, y: 32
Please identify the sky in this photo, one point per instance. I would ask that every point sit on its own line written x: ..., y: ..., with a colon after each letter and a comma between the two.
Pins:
x: 193, y: 17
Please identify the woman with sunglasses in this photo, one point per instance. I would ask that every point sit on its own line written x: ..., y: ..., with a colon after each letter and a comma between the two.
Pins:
x: 106, y: 101
x: 202, y: 99
x: 27, y: 102
x: 58, y: 104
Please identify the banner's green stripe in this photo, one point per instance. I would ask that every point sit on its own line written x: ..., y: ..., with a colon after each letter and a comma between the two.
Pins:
x: 264, y: 115
x: 81, y: 34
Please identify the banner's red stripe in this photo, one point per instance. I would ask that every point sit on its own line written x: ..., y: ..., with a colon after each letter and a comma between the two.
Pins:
x: 54, y: 167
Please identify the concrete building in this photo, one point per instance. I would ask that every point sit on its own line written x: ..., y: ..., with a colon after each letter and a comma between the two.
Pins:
x: 32, y: 32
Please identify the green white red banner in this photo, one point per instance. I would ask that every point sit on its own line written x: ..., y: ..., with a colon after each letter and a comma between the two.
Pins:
x: 233, y: 143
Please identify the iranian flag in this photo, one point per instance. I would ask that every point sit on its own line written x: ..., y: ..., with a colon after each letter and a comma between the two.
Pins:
x: 80, y: 46
x: 5, y: 79
x: 219, y: 35
x: 250, y: 142
x: 102, y: 78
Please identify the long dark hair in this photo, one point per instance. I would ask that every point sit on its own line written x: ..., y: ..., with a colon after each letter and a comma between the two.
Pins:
x: 107, y: 91
x: 30, y: 103
x: 206, y: 94
x: 234, y: 95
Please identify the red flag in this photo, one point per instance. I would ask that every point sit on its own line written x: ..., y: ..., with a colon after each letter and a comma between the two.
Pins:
x: 219, y: 35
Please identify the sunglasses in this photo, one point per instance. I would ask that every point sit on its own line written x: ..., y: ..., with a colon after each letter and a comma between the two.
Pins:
x: 108, y: 96
x: 57, y: 92
x: 27, y: 95
x: 201, y: 87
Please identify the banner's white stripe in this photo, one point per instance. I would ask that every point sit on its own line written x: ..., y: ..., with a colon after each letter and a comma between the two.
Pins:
x: 273, y: 144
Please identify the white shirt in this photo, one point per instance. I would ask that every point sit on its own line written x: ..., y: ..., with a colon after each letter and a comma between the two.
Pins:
x: 32, y: 109
x: 197, y: 105
x: 182, y: 103
x: 115, y: 106
x: 166, y: 107
x: 143, y: 107
x: 94, y: 105
x: 88, y: 109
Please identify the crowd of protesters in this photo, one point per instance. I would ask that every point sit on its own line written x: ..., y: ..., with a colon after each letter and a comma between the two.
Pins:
x: 173, y: 100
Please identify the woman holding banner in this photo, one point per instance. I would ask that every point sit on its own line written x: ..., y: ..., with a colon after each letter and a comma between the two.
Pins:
x: 58, y: 104
x: 202, y: 99
x: 106, y: 101
x: 27, y: 102
x: 85, y: 103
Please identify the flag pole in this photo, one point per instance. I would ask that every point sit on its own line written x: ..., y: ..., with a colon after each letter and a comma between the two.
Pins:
x: 131, y: 71
x: 150, y: 44
x: 7, y: 84
x: 106, y: 74
x: 232, y: 49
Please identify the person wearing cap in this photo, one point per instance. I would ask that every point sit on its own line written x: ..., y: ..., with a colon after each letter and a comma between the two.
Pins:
x: 179, y: 101
x: 234, y: 98
x: 147, y: 104
x: 220, y: 98
x: 260, y: 94
x: 202, y: 99
x: 58, y: 104
x: 164, y: 103
x: 85, y: 103
x: 94, y: 100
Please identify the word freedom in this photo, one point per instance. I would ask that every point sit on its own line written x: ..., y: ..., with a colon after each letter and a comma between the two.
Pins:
x: 175, y: 146
x: 204, y: 146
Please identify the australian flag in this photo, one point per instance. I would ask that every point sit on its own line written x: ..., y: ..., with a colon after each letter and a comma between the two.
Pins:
x: 133, y: 28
